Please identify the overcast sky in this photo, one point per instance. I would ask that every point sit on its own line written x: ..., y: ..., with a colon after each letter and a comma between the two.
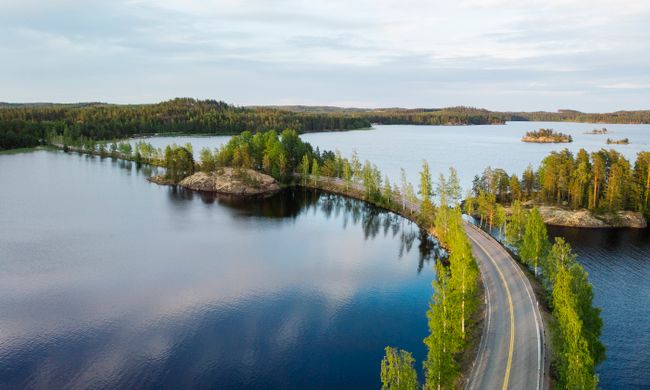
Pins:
x: 590, y: 55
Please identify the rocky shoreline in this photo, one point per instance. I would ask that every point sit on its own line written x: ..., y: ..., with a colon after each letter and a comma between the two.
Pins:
x: 587, y: 219
x: 229, y: 181
x: 545, y: 140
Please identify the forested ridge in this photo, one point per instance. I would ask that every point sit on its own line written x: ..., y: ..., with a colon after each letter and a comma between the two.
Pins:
x: 27, y: 125
x: 471, y: 115
x: 33, y: 124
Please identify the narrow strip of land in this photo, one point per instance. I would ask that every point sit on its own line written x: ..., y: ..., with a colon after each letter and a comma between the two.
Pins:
x: 511, y: 353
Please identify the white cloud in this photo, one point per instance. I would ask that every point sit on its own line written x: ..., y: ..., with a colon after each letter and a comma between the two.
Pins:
x: 274, y: 43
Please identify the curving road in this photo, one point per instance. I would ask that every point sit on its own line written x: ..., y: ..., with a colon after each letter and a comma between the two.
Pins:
x: 511, y: 351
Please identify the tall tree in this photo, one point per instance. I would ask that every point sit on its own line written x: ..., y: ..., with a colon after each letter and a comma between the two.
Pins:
x: 535, y: 241
x: 397, y: 371
x: 426, y: 191
x: 516, y: 225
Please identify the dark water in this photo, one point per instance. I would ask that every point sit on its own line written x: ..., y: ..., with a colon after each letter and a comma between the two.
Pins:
x: 108, y: 281
x: 618, y: 262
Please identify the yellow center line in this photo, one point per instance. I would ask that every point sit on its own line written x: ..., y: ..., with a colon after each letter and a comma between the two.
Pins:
x: 512, y: 316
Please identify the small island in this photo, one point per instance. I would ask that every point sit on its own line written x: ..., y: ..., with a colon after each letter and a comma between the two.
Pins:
x: 597, y: 131
x: 623, y: 141
x: 546, y: 136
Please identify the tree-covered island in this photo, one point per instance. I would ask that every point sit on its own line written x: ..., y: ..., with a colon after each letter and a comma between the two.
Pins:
x: 546, y: 136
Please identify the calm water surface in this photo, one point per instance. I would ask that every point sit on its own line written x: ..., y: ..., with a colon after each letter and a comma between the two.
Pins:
x: 618, y: 261
x: 108, y: 281
x: 468, y: 148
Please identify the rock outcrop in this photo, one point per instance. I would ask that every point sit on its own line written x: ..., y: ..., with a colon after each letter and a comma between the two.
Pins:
x: 232, y: 181
x: 587, y: 219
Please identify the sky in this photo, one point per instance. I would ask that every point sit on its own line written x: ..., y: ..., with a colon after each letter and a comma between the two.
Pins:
x: 589, y: 55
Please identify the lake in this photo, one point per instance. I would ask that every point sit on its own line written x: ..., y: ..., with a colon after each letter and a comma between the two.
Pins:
x: 109, y: 281
x: 468, y: 148
x: 618, y: 261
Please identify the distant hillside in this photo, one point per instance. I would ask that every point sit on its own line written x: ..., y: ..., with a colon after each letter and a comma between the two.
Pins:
x: 471, y: 115
x: 25, y: 125
x: 30, y: 124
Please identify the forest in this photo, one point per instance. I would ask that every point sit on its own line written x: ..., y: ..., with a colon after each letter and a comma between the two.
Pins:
x: 471, y: 115
x: 32, y: 125
x: 28, y: 125
x: 602, y: 181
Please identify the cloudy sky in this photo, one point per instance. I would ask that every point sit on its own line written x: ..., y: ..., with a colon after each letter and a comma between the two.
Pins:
x: 591, y: 55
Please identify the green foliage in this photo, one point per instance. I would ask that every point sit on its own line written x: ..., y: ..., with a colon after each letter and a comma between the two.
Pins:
x: 575, y: 364
x: 440, y: 368
x: 426, y: 192
x: 26, y: 125
x: 179, y: 162
x: 546, y: 135
x: 397, y: 371
x: 278, y: 156
x: 315, y: 171
x: 602, y: 181
x: 641, y: 186
x: 516, y: 224
x: 535, y: 241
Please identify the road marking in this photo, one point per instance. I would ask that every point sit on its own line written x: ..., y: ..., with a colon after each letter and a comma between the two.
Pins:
x: 512, y: 316
x: 484, y: 336
x: 536, y: 315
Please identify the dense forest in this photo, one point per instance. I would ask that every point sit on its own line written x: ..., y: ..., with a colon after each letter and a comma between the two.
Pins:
x: 601, y: 181
x: 470, y: 115
x: 27, y: 125
x: 546, y: 136
x: 31, y: 125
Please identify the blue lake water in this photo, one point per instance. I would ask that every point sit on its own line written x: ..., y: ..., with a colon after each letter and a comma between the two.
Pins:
x: 109, y: 281
x: 618, y: 260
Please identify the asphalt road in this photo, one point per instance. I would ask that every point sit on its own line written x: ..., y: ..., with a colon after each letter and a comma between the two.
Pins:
x: 511, y: 351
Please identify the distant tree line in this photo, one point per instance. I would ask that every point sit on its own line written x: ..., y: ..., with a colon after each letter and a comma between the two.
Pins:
x: 27, y: 125
x: 31, y: 125
x: 632, y: 117
x: 600, y: 181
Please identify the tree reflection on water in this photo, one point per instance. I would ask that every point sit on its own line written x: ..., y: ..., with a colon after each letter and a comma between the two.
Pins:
x: 290, y: 203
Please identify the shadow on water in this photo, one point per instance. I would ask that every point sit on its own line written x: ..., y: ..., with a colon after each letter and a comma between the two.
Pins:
x: 291, y: 203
